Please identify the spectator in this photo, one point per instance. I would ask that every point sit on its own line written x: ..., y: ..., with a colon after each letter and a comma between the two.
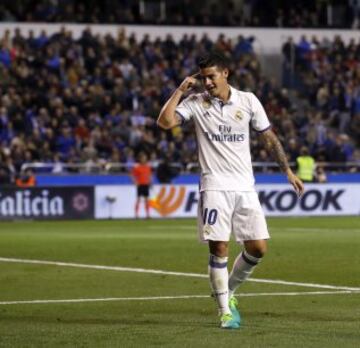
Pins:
x: 105, y: 93
x: 26, y: 179
x: 305, y: 165
x: 314, y: 14
x: 164, y: 172
x: 320, y: 174
x: 7, y: 170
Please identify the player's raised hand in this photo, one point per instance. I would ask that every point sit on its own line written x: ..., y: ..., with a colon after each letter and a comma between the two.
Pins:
x: 188, y: 83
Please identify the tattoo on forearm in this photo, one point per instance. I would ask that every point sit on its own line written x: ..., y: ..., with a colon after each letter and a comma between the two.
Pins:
x: 274, y: 147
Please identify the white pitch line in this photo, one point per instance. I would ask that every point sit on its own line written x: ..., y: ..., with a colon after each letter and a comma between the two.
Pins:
x: 178, y: 227
x: 300, y: 229
x: 306, y: 285
x: 290, y: 229
x: 182, y: 274
x: 109, y: 268
x: 182, y: 297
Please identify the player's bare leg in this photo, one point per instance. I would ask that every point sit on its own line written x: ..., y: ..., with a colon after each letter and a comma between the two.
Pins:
x: 218, y: 248
x: 256, y: 248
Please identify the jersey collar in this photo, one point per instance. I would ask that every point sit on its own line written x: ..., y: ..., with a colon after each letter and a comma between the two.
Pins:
x: 231, y: 100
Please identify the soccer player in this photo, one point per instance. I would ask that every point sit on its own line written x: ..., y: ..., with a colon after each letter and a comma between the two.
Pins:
x: 141, y: 175
x: 228, y: 202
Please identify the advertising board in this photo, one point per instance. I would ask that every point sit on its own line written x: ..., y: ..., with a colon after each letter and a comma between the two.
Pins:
x: 47, y: 203
x: 172, y: 201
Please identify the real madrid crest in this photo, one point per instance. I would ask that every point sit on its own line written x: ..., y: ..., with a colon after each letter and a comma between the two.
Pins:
x: 239, y: 116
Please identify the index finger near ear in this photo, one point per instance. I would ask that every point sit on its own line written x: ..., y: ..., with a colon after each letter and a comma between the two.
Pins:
x: 194, y: 76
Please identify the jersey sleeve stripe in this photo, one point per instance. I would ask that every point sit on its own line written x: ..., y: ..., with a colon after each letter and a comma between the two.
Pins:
x: 183, y: 119
x: 263, y: 130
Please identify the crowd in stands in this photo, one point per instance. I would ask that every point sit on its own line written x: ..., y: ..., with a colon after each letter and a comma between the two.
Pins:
x: 241, y: 13
x: 95, y: 99
x: 327, y: 75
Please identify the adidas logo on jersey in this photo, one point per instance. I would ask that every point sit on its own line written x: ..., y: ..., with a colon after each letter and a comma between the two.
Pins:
x: 206, y: 114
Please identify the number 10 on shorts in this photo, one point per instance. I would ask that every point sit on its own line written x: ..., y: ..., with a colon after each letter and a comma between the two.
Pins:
x: 210, y: 216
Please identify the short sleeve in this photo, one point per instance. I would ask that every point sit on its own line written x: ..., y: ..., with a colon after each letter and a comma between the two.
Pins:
x: 259, y: 119
x: 185, y: 109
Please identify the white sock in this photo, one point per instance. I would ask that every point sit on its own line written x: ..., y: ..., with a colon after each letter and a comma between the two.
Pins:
x: 243, y: 266
x: 219, y: 279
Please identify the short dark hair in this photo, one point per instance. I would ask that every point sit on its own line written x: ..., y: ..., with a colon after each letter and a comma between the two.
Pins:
x: 214, y: 58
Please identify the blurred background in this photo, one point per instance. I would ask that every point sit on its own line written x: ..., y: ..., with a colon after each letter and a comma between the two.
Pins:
x: 82, y: 84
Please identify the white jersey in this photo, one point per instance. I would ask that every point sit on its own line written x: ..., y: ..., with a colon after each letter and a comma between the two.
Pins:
x: 223, y: 132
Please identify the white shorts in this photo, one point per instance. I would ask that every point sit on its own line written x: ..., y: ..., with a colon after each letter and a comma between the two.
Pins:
x: 221, y: 213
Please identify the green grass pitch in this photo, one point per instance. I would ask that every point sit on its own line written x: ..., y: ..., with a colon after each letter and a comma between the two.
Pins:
x: 142, y: 309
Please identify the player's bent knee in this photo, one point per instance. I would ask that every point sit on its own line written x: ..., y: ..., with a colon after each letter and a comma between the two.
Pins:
x: 256, y: 248
x: 260, y: 252
x: 218, y: 248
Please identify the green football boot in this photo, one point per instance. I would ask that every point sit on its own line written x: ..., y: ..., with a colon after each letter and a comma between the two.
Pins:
x: 227, y: 321
x: 233, y: 302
